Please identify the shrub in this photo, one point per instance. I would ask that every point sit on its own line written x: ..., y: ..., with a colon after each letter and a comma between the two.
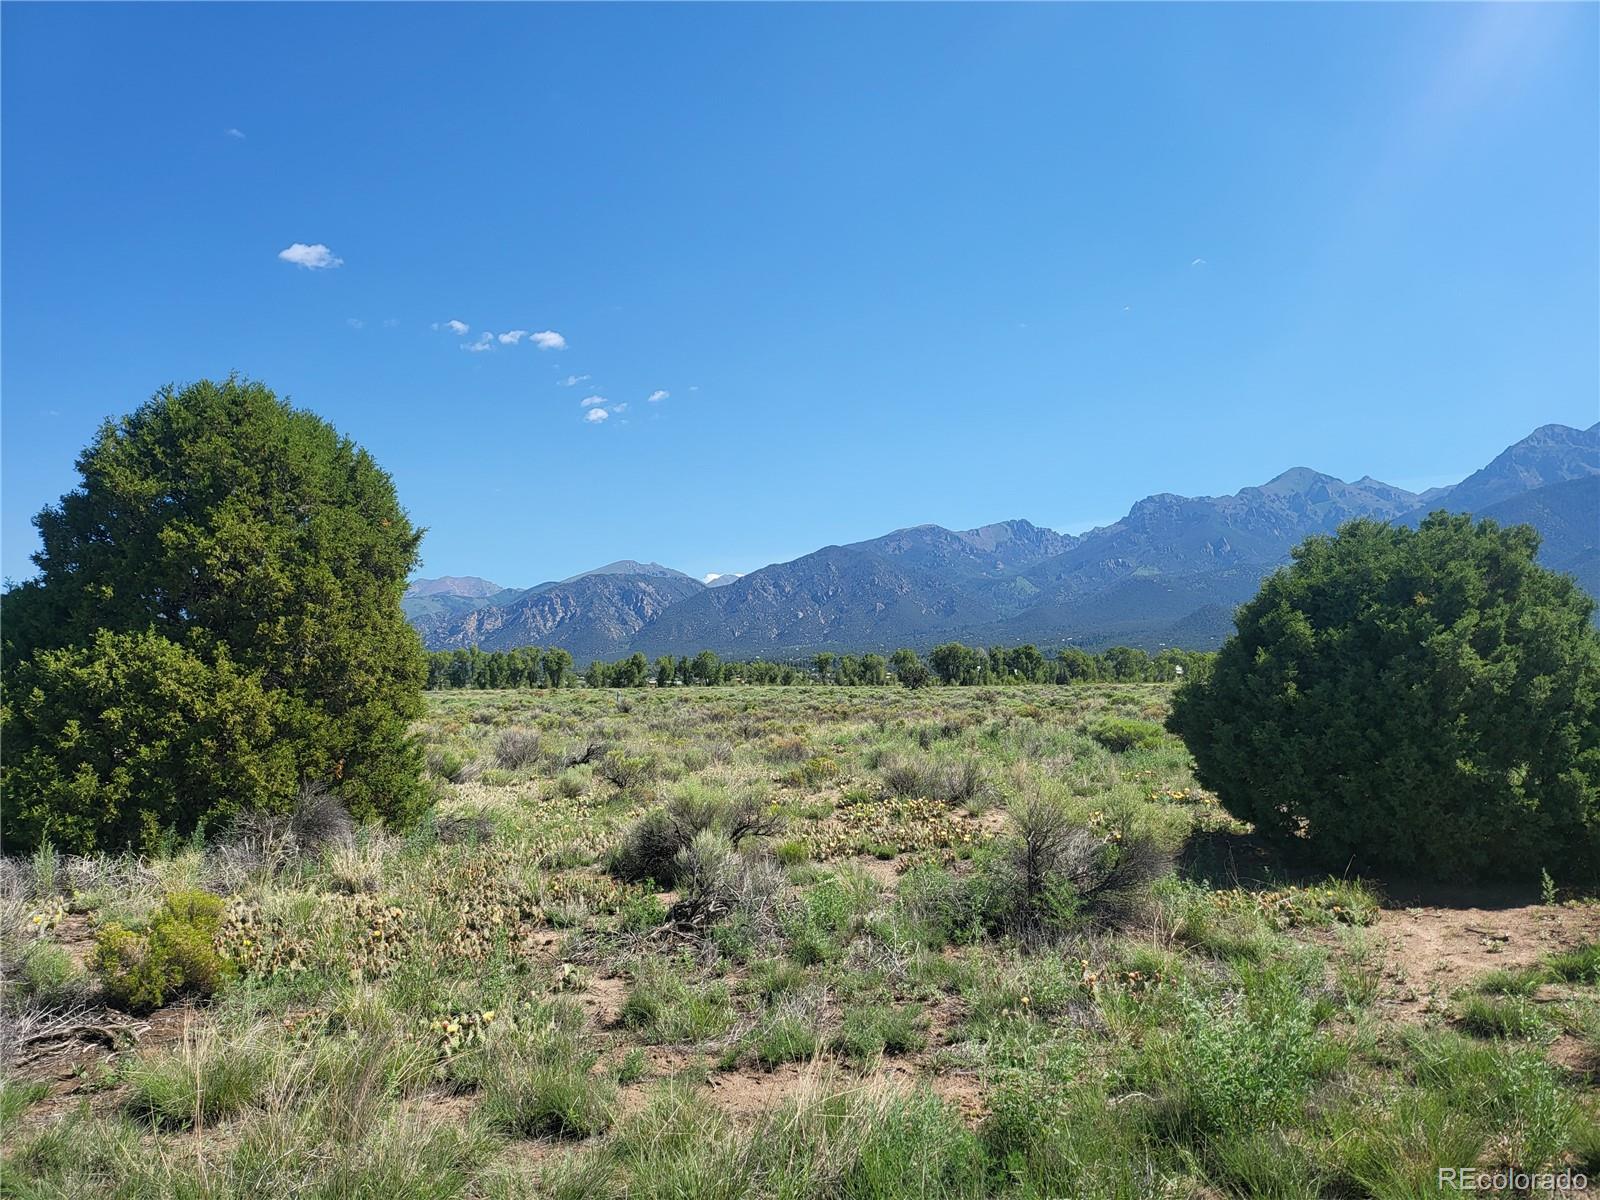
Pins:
x: 1121, y: 734
x: 1420, y: 700
x: 715, y: 882
x: 626, y: 771
x: 650, y: 847
x: 947, y: 780
x: 1053, y: 875
x: 216, y: 618
x: 1248, y: 1066
x: 177, y: 957
x: 517, y: 748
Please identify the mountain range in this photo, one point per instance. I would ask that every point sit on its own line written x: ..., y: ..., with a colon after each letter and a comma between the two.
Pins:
x: 1171, y: 572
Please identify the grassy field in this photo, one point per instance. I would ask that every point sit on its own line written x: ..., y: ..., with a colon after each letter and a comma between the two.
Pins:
x: 798, y: 942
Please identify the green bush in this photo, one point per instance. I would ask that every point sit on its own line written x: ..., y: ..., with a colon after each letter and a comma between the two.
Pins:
x: 1419, y: 700
x: 176, y: 957
x: 1246, y: 1067
x: 1121, y: 734
x: 216, y: 621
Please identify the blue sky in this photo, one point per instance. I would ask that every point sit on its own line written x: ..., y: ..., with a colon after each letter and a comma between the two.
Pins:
x: 885, y: 264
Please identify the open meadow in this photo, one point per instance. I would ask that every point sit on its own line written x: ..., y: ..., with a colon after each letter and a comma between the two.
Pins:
x: 796, y: 942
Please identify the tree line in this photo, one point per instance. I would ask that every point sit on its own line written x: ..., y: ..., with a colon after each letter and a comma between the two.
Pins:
x: 951, y: 664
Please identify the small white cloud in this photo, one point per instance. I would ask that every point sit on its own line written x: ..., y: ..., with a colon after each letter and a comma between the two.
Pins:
x: 620, y: 408
x: 1199, y: 262
x: 591, y: 401
x: 485, y: 342
x: 314, y: 258
x: 549, y: 339
x: 512, y: 336
x: 658, y: 395
x: 355, y: 322
x: 595, y: 415
x: 459, y: 328
x: 390, y: 322
x: 235, y: 133
x: 694, y: 387
x: 573, y: 380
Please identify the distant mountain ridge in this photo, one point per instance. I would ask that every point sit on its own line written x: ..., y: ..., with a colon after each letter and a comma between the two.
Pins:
x: 1170, y: 572
x: 466, y: 586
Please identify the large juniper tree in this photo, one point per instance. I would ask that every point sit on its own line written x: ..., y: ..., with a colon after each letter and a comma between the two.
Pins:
x: 1418, y: 700
x: 215, y: 623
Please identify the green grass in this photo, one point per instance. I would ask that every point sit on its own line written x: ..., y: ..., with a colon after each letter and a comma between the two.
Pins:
x: 402, y: 1015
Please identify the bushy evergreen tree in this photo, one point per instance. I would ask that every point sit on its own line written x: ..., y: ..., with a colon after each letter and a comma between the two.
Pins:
x: 247, y: 563
x: 1418, y: 700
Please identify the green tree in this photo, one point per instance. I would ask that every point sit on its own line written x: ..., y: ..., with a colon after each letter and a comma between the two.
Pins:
x: 1419, y: 700
x: 556, y: 663
x: 263, y: 546
x: 664, y: 671
x: 1073, y: 665
x: 824, y: 664
x: 951, y: 662
x: 706, y: 668
x: 1126, y: 664
x: 910, y: 670
x: 874, y: 670
x: 1026, y: 663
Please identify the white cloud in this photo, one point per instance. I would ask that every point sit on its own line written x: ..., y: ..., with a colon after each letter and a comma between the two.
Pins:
x: 658, y: 395
x: 591, y: 401
x: 314, y: 258
x: 1199, y: 262
x: 390, y: 322
x: 355, y: 322
x: 595, y: 415
x: 459, y: 328
x: 485, y: 342
x: 573, y: 380
x: 620, y: 408
x: 512, y: 336
x: 549, y: 339
x: 234, y: 133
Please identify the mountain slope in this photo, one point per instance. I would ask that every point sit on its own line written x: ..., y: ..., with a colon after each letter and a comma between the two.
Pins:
x: 628, y: 566
x: 989, y: 551
x: 1550, y: 454
x: 468, y: 586
x: 592, y: 616
x: 1179, y: 535
x: 836, y: 598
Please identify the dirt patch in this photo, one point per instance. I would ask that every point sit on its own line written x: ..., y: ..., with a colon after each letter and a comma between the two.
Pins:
x: 1430, y: 952
x: 882, y: 871
x: 75, y: 935
x: 603, y: 999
